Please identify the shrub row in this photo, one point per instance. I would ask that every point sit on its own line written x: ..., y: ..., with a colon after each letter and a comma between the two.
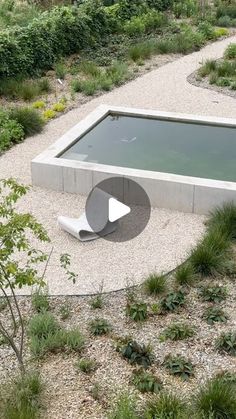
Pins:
x: 57, y: 32
x: 16, y: 124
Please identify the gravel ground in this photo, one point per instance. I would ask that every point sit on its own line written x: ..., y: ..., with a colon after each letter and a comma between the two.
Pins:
x: 101, y: 262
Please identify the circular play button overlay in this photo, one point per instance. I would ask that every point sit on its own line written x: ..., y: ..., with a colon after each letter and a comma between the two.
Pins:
x: 118, y: 209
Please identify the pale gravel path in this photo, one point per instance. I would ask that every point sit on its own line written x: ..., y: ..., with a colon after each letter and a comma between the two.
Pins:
x: 169, y: 235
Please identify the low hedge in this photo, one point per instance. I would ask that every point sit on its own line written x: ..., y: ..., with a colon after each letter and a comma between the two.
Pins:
x: 57, y: 32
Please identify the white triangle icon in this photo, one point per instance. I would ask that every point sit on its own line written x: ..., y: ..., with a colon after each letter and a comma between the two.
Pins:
x: 117, y: 210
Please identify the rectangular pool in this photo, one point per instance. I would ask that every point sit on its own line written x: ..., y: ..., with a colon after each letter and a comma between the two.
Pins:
x: 184, y: 162
x: 167, y: 146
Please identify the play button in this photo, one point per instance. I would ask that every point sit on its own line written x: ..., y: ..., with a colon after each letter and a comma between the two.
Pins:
x: 118, y: 209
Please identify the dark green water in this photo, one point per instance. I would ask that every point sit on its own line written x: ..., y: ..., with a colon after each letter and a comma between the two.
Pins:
x: 164, y: 146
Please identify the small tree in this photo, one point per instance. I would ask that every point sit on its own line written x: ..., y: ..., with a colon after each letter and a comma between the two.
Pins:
x: 18, y: 260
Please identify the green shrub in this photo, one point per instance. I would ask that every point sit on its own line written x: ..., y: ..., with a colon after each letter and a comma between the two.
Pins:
x: 177, y: 331
x: 137, y: 311
x: 155, y: 284
x: 90, y: 87
x: 44, y: 85
x: 146, y: 382
x: 11, y: 131
x: 214, y: 314
x: 60, y: 70
x: 213, y: 77
x: 179, y: 366
x: 40, y: 301
x: 166, y: 406
x: 233, y: 85
x: 208, y: 67
x: 118, y: 72
x: 223, y: 82
x: 97, y: 302
x: 172, y: 301
x: 64, y: 311
x: 124, y: 408
x: 216, y: 399
x: 164, y: 46
x: 47, y: 336
x: 86, y: 365
x: 99, y: 327
x: 58, y: 107
x: 226, y: 10
x: 142, y: 50
x: 29, y: 119
x: 42, y: 325
x: 90, y: 68
x: 38, y: 105
x: 219, y: 32
x: 136, y: 353
x: 105, y: 83
x: 226, y: 343
x: 226, y: 21
x: 57, y: 32
x: 214, y: 293
x: 185, y: 275
x: 76, y: 85
x: 226, y: 69
x: 49, y: 114
x: 21, y: 397
x: 224, y: 218
x: 207, y: 30
x: 211, y: 254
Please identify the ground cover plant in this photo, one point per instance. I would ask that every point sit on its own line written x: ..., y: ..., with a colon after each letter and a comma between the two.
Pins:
x: 220, y: 73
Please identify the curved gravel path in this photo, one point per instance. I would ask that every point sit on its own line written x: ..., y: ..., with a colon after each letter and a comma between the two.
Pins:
x: 169, y: 235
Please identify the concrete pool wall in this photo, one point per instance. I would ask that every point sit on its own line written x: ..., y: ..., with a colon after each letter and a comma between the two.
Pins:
x: 177, y: 192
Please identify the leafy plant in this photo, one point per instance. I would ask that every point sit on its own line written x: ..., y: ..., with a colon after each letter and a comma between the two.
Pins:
x: 124, y: 408
x: 137, y: 353
x: 137, y: 311
x: 216, y: 399
x: 40, y: 301
x: 64, y: 311
x: 18, y: 260
x: 215, y: 315
x: 49, y: 114
x: 10, y: 131
x: 178, y: 365
x: 30, y: 120
x: 86, y: 365
x: 99, y: 327
x: 185, y: 275
x: 172, y: 301
x: 230, y: 52
x: 166, y: 406
x: 40, y: 104
x: 226, y: 343
x: 58, y: 107
x: 155, y: 284
x: 146, y: 382
x: 47, y: 336
x: 60, y: 70
x: 21, y: 397
x: 214, y: 294
x: 97, y: 302
x: 224, y: 218
x: 177, y: 331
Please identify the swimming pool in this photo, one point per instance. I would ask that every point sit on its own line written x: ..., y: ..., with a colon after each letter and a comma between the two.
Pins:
x: 184, y: 162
